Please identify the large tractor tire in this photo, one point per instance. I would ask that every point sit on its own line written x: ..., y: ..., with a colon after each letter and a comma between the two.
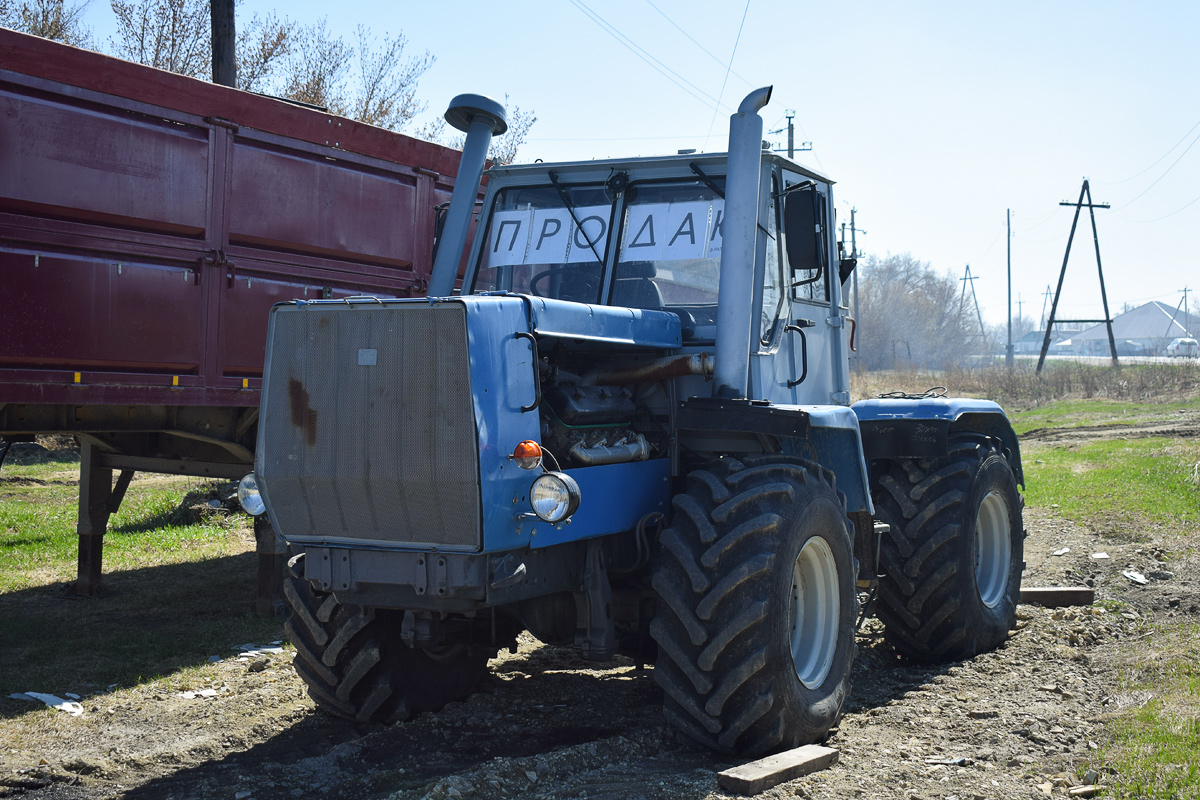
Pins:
x: 953, y: 560
x: 356, y: 665
x: 756, y: 606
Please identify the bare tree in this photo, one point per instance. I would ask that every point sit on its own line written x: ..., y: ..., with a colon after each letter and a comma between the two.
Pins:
x: 372, y: 81
x: 50, y: 19
x: 315, y: 71
x: 262, y: 46
x: 386, y: 95
x: 503, y: 149
x: 911, y: 316
x: 174, y: 35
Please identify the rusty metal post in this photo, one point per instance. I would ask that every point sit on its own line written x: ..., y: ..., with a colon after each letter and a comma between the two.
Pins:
x: 224, y: 39
x: 272, y: 555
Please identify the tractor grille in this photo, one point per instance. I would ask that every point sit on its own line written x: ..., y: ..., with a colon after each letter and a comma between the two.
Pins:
x: 368, y: 429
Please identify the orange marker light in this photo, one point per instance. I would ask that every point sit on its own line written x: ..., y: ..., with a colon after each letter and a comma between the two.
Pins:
x: 528, y: 454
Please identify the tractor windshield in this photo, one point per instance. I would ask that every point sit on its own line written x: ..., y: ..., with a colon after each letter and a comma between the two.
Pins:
x: 538, y: 244
x: 670, y: 252
x: 553, y: 242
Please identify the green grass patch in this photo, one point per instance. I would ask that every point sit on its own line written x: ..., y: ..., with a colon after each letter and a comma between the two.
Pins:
x: 1152, y: 752
x: 1066, y: 414
x: 1119, y: 486
x: 179, y: 585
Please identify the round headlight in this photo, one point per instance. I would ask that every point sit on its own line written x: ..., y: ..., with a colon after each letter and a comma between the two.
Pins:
x: 554, y: 496
x: 249, y: 498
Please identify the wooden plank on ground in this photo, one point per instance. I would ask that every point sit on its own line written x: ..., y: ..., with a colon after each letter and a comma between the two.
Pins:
x: 1058, y: 596
x: 758, y: 776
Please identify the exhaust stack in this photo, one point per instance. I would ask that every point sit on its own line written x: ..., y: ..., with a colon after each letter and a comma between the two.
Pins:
x: 480, y: 118
x: 736, y: 288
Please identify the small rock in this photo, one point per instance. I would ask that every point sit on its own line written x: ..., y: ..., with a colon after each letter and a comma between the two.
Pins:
x: 259, y: 665
x: 531, y: 775
x: 244, y: 794
x: 1062, y: 551
x: 983, y: 714
x: 1099, y: 555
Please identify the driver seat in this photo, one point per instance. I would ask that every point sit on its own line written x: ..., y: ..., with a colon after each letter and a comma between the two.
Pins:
x: 634, y: 288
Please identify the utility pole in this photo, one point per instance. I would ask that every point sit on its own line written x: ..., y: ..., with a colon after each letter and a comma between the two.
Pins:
x: 1187, y: 329
x: 1008, y: 352
x: 791, y: 132
x: 969, y: 280
x: 1045, y: 301
x: 224, y: 37
x: 1079, y: 206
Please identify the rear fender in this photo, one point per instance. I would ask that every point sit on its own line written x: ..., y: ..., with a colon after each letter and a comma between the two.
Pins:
x: 921, y: 428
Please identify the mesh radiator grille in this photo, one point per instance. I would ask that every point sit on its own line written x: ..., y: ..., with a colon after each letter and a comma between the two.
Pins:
x: 368, y: 428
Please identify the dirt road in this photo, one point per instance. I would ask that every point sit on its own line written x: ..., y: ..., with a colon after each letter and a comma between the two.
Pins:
x: 1023, y: 721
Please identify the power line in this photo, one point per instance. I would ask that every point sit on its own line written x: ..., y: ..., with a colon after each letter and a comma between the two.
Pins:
x: 1157, y: 161
x: 1164, y: 216
x: 693, y: 41
x: 727, y: 71
x: 668, y: 73
x: 1160, y: 177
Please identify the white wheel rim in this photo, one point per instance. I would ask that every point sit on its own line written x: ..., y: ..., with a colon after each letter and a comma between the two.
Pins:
x: 993, y: 549
x: 815, y: 611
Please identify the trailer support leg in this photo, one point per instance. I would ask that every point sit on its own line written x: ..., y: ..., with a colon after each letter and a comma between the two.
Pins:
x: 95, y: 492
x: 98, y: 500
x: 272, y: 553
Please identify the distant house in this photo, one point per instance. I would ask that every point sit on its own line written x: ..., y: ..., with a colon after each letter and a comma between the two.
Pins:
x: 1030, y: 342
x: 1146, y: 330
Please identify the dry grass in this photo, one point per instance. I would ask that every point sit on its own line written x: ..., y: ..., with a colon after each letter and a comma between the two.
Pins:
x: 1022, y: 387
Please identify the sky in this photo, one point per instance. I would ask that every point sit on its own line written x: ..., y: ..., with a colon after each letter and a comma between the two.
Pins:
x: 934, y: 118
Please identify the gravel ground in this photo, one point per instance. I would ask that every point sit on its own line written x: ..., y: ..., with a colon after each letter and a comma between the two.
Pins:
x: 1024, y: 721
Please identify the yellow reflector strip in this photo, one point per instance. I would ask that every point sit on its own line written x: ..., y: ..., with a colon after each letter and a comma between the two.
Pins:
x: 78, y: 377
x: 174, y: 380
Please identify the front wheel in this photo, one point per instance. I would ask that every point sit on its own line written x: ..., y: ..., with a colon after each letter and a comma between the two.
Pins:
x: 953, y: 560
x: 356, y: 666
x: 757, y: 603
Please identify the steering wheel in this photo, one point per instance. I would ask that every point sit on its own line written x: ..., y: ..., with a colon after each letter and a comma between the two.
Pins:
x: 591, y: 283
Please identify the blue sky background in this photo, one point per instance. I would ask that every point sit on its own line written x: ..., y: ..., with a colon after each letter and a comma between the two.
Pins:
x: 933, y: 117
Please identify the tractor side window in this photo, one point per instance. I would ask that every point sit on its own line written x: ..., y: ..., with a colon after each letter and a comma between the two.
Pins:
x: 670, y: 253
x: 807, y: 284
x: 773, y: 294
x: 534, y: 246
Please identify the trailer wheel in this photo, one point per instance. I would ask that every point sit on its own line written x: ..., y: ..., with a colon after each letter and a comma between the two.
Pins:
x: 952, y: 562
x: 355, y: 665
x: 757, y: 604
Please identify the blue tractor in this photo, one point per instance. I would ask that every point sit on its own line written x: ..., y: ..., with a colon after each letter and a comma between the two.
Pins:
x: 631, y: 432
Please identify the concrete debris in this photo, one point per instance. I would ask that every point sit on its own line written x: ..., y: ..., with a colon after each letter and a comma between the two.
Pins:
x: 1136, y: 577
x: 71, y: 707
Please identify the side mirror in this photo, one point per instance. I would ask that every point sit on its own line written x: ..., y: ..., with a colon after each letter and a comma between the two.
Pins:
x: 802, y: 223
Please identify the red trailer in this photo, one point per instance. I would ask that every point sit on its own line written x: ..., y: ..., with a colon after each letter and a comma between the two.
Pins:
x: 148, y: 222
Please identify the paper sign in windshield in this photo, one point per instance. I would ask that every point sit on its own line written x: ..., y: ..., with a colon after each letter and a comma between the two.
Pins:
x: 548, y: 236
x: 673, y: 231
